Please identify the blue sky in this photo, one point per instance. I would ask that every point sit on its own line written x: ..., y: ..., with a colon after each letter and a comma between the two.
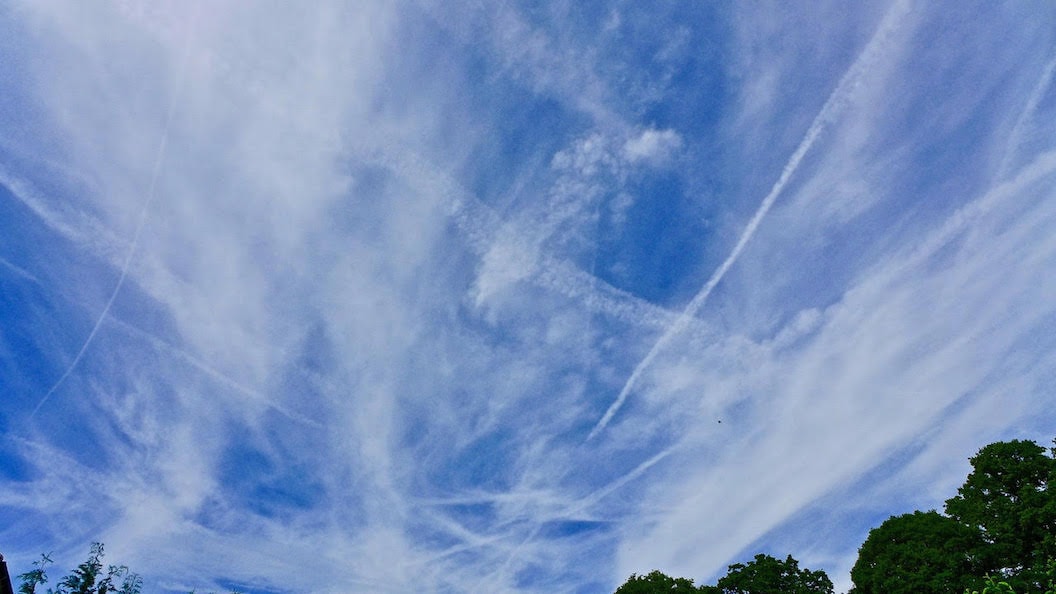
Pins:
x: 451, y: 297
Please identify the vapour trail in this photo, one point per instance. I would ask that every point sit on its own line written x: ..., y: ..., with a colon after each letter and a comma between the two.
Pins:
x: 18, y: 270
x: 1015, y: 136
x: 619, y: 483
x: 76, y: 226
x: 176, y: 352
x: 479, y: 224
x: 1041, y: 167
x: 832, y: 108
x: 159, y: 158
x: 577, y: 507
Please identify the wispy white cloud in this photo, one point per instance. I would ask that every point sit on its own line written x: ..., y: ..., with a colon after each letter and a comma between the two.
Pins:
x: 397, y: 259
x: 915, y: 337
x: 829, y: 111
x: 652, y: 145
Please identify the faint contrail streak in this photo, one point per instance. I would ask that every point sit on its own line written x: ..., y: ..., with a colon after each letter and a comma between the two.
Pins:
x: 22, y: 272
x: 579, y: 506
x: 478, y: 223
x: 159, y: 157
x: 829, y: 111
x: 219, y: 377
x: 1035, y: 97
x: 619, y: 483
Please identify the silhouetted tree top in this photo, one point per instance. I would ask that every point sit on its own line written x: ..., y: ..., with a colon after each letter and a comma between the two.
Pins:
x: 655, y: 582
x: 917, y: 553
x: 762, y: 575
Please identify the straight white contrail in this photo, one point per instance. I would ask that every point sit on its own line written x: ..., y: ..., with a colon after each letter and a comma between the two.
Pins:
x: 121, y: 279
x: 159, y: 158
x: 832, y: 108
x: 218, y: 376
x: 619, y: 483
x: 1015, y: 137
x: 479, y: 225
x: 18, y: 270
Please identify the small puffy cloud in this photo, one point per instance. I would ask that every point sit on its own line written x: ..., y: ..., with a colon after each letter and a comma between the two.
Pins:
x: 586, y: 157
x: 506, y: 263
x: 652, y: 146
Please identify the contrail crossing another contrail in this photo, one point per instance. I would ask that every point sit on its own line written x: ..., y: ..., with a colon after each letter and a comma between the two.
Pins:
x: 832, y: 108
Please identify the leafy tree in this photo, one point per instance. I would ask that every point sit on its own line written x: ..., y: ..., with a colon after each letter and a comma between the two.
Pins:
x: 87, y: 578
x: 917, y: 553
x: 762, y: 575
x: 656, y: 583
x: 768, y: 575
x: 1007, y: 497
x: 34, y: 577
x: 993, y: 586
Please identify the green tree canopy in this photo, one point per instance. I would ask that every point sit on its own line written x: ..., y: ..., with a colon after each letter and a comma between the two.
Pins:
x: 656, y: 583
x: 762, y: 575
x: 917, y: 553
x: 1008, y: 498
x: 769, y: 575
x: 87, y: 578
